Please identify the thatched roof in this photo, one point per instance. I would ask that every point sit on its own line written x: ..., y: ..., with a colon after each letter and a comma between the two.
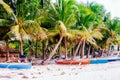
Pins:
x: 3, y: 49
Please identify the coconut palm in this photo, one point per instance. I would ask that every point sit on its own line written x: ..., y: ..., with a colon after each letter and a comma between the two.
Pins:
x: 61, y: 29
x: 64, y: 14
x: 87, y: 23
x: 25, y: 18
x: 34, y: 31
x: 111, y: 36
x: 6, y: 23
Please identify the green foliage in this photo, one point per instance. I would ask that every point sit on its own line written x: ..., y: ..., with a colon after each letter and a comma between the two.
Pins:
x: 48, y: 21
x: 14, y: 45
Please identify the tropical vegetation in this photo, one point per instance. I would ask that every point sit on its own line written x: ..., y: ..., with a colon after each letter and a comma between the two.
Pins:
x: 65, y: 28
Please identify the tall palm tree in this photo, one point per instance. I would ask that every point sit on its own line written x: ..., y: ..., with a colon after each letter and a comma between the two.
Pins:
x: 61, y: 29
x: 87, y: 22
x: 64, y: 15
x: 6, y: 23
x: 23, y: 18
x: 111, y: 36
x: 34, y: 31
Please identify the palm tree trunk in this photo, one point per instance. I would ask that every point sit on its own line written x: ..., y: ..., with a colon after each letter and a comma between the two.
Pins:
x: 83, y: 47
x: 59, y: 52
x: 102, y: 52
x: 65, y: 42
x: 73, y: 50
x: 76, y: 51
x: 53, y: 51
x: 30, y: 50
x: 43, y: 50
x: 92, y: 52
x: 21, y: 46
x: 7, y: 48
x: 88, y: 51
x: 36, y: 49
x: 71, y: 54
x: 110, y: 50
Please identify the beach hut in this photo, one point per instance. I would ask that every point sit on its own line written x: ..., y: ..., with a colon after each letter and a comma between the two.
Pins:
x: 13, y: 53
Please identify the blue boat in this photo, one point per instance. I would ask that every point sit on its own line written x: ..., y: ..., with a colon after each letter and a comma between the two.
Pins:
x: 16, y: 65
x: 98, y: 61
x: 111, y: 59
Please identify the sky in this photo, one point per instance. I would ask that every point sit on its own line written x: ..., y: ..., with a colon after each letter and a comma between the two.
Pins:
x: 111, y: 6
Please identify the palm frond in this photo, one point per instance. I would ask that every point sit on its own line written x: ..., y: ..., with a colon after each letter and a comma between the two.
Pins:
x: 4, y: 22
x: 34, y: 30
x: 61, y: 27
x: 96, y: 34
x: 15, y: 31
x: 8, y: 9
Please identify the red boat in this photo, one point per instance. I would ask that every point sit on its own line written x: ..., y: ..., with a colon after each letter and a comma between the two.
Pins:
x: 85, y: 62
x: 67, y: 62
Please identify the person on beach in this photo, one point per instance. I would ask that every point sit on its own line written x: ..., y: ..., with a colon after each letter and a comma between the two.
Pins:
x: 22, y: 59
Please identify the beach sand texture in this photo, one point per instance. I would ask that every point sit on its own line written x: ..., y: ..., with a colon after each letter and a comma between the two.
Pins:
x: 108, y: 71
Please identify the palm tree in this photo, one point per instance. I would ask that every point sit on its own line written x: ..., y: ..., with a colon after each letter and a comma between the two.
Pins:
x: 60, y: 27
x: 65, y: 18
x: 111, y: 36
x: 34, y: 31
x: 23, y: 18
x: 6, y: 24
x: 87, y: 23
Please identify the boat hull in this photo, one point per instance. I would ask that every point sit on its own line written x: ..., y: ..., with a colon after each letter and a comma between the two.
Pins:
x: 99, y: 61
x: 16, y: 65
x: 111, y: 60
x: 86, y: 62
x: 67, y: 62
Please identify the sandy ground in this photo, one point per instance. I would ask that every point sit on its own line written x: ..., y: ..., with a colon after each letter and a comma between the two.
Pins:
x: 108, y: 71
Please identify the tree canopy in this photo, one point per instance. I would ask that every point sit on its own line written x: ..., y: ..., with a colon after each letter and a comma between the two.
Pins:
x: 63, y: 25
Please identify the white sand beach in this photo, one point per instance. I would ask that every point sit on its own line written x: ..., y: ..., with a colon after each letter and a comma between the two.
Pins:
x: 108, y: 71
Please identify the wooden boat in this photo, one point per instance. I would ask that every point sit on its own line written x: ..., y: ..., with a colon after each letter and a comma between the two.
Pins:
x: 67, y: 62
x: 16, y: 65
x: 98, y: 61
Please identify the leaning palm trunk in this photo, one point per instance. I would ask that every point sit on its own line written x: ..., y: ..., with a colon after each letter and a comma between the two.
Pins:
x: 88, y: 51
x: 80, y: 50
x: 83, y: 47
x: 53, y: 51
x: 76, y: 51
x: 59, y: 52
x: 7, y: 48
